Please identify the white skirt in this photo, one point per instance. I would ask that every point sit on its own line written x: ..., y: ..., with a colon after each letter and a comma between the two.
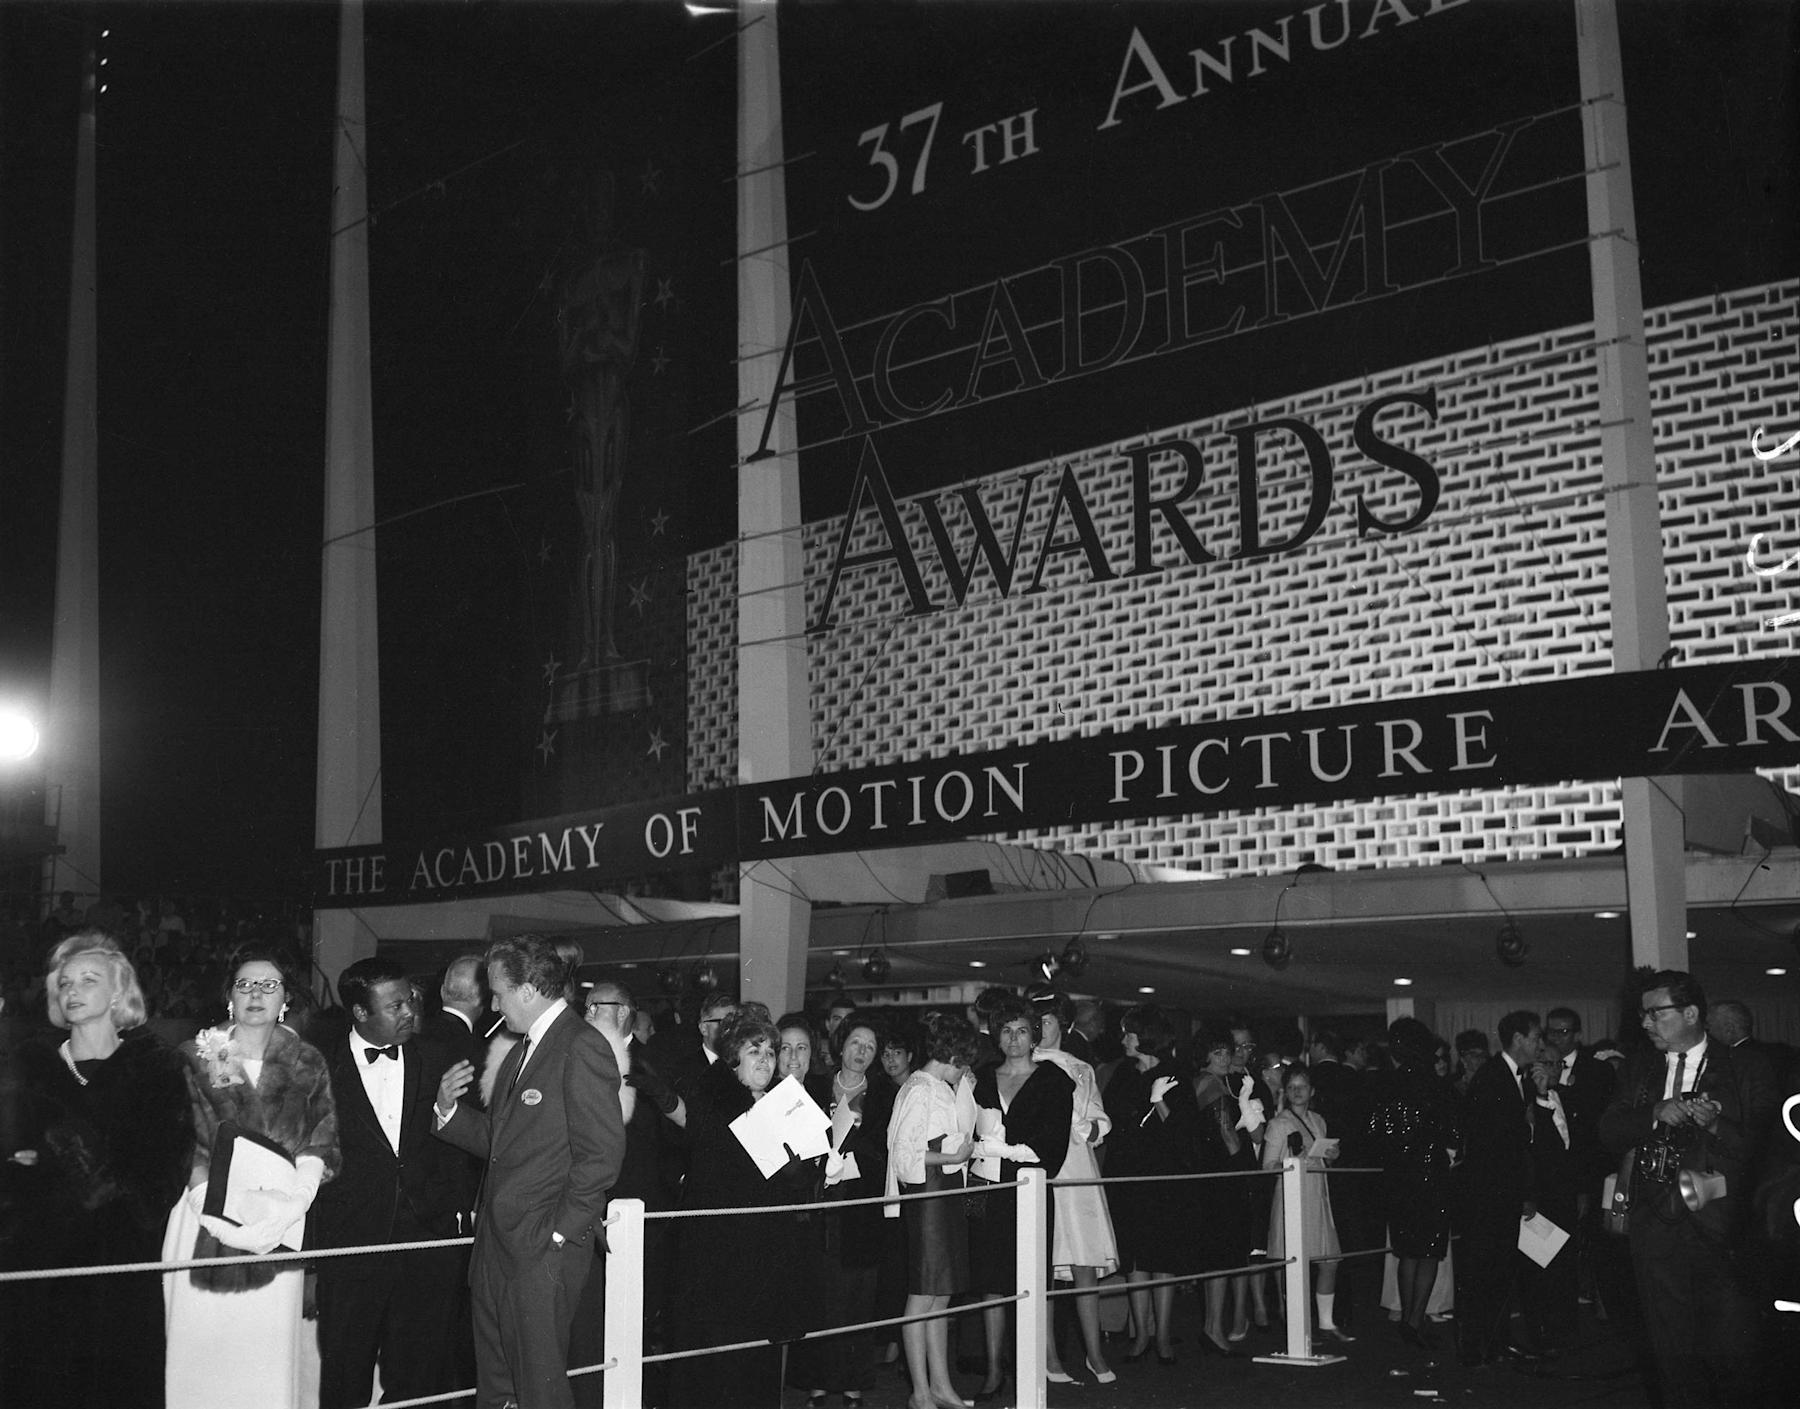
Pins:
x: 1084, y: 1230
x: 230, y: 1349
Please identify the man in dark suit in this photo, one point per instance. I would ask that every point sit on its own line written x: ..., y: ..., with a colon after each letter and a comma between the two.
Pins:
x: 1498, y: 1187
x: 458, y: 1027
x: 651, y: 1110
x: 553, y: 1140
x: 1712, y: 1107
x: 1584, y: 1085
x: 397, y: 1185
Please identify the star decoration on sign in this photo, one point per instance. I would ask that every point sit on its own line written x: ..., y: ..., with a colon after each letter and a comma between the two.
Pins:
x: 640, y: 595
x: 665, y: 292
x: 658, y: 522
x: 657, y: 744
x: 543, y: 550
x: 551, y: 666
x: 547, y: 744
x: 660, y: 361
x: 649, y: 179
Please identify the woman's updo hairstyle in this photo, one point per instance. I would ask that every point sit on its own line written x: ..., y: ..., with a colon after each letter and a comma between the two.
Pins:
x: 1414, y: 1045
x: 740, y: 1032
x: 1048, y: 1001
x: 1151, y: 1026
x: 1006, y: 1007
x: 948, y: 1038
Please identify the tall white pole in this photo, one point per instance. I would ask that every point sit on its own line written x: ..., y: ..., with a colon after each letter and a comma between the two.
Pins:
x: 348, y: 810
x: 72, y: 729
x: 774, y: 712
x: 1655, y: 841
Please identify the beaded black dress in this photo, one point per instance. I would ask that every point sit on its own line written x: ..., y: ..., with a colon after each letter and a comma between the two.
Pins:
x: 1412, y: 1130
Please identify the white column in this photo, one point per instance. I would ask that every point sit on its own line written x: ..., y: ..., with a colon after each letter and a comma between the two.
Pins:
x: 71, y: 732
x: 624, y: 1385
x: 1031, y: 1312
x: 774, y: 710
x: 348, y: 809
x: 1655, y: 878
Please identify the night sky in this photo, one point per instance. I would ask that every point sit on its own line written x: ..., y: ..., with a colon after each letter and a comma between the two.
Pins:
x: 214, y: 178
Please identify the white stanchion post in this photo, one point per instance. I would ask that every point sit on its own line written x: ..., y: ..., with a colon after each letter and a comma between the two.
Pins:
x: 623, y: 1386
x: 1032, y: 1311
x: 1298, y: 1271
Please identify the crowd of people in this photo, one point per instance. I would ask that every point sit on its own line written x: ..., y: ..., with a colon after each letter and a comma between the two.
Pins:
x: 407, y: 1114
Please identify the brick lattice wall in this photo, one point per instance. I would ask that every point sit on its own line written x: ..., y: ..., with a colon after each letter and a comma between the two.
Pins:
x: 1505, y: 583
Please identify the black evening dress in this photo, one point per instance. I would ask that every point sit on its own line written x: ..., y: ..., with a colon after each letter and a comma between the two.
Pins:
x: 1412, y: 1131
x: 1039, y: 1116
x: 1154, y: 1223
x: 1232, y: 1219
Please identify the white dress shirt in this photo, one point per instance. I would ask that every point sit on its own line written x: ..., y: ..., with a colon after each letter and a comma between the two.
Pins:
x: 385, y: 1081
x: 1690, y: 1070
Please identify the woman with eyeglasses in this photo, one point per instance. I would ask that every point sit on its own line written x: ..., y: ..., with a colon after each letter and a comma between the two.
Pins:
x: 257, y: 1073
x: 104, y: 1138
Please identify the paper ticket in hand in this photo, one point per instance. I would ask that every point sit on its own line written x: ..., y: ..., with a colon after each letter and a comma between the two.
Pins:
x: 786, y: 1121
x: 1540, y: 1239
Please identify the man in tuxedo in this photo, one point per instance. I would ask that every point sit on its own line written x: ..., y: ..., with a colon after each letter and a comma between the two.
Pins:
x: 1712, y: 1106
x: 691, y: 1065
x: 397, y: 1185
x: 1498, y: 1190
x: 553, y: 1141
x: 1583, y: 1087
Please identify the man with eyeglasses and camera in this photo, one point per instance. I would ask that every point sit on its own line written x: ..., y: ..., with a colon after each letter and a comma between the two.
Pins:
x: 1693, y: 1114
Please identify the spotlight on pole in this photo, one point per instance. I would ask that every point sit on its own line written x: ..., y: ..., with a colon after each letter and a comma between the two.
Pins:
x: 877, y: 967
x: 18, y: 737
x: 1276, y: 950
x: 1074, y: 958
x: 1510, y: 947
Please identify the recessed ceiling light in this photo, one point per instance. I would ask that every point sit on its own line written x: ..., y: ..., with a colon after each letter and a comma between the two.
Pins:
x: 1693, y: 934
x: 978, y: 963
x: 1146, y: 990
x: 629, y: 964
x: 1774, y: 973
x: 840, y: 953
x: 1404, y: 982
x: 1606, y: 914
x: 1241, y: 953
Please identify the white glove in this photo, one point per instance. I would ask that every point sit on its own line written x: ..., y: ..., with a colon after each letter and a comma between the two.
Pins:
x: 310, y: 1172
x: 1251, y: 1117
x: 260, y: 1234
x: 196, y: 1198
x: 999, y: 1149
x: 1161, y: 1087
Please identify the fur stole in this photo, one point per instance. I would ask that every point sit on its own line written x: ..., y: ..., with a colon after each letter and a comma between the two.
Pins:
x: 290, y: 1103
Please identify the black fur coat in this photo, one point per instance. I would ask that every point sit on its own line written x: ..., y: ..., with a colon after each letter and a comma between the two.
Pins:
x: 290, y: 1104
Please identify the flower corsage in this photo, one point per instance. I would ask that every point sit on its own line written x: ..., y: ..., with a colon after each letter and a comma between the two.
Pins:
x: 216, y: 1049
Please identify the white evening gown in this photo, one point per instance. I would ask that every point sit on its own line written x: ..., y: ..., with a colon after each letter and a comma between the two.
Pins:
x: 1084, y: 1230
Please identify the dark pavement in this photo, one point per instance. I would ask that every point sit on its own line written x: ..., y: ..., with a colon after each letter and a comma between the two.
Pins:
x: 1378, y: 1370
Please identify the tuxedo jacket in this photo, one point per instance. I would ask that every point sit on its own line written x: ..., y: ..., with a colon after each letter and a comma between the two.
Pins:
x: 1743, y: 1083
x: 1497, y: 1138
x: 553, y: 1144
x: 382, y: 1195
x: 1587, y: 1093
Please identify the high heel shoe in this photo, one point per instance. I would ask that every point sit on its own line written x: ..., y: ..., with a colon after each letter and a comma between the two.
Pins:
x: 1131, y: 1357
x: 1162, y: 1359
x: 1337, y: 1334
x: 1224, y: 1352
x: 988, y: 1396
x: 1104, y: 1377
x: 1059, y: 1377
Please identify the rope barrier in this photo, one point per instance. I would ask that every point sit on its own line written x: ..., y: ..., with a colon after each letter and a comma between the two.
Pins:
x: 309, y: 1255
x: 1164, y: 1178
x: 829, y: 1331
x: 1267, y: 1266
x: 831, y: 1205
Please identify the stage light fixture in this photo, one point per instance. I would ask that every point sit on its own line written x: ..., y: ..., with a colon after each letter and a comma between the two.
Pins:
x: 1047, y: 966
x: 835, y: 979
x: 1510, y: 947
x: 1074, y: 958
x: 668, y: 979
x: 706, y: 979
x: 877, y: 967
x: 1276, y: 950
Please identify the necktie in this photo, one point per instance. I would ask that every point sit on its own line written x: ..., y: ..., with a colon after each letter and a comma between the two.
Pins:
x: 1680, y: 1070
x: 371, y: 1053
x: 519, y: 1070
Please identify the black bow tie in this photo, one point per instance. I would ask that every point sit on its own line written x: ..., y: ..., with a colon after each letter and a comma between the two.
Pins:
x: 371, y: 1053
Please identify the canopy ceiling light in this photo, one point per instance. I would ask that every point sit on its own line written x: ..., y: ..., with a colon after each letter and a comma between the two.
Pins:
x: 1276, y: 950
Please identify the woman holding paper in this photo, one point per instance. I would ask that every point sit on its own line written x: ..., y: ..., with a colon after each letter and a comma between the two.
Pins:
x: 1297, y: 1129
x: 926, y: 1147
x: 1025, y: 1111
x: 744, y: 1278
x: 105, y: 1140
x: 259, y: 1075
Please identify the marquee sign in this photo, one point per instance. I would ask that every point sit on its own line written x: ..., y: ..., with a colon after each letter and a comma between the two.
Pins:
x: 1703, y: 719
